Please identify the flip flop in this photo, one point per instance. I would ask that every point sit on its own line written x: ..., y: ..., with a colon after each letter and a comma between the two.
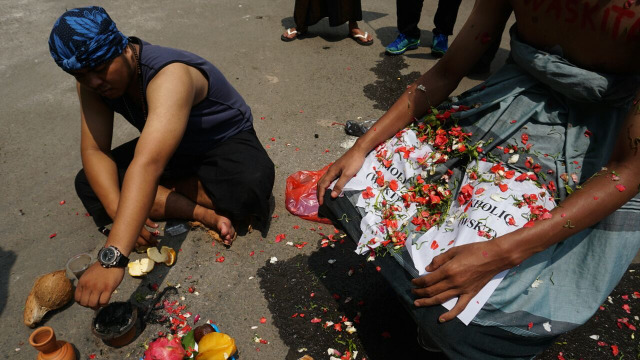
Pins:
x: 358, y: 37
x: 289, y: 32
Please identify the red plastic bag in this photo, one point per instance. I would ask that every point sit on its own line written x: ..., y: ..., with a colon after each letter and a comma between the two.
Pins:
x: 301, y: 198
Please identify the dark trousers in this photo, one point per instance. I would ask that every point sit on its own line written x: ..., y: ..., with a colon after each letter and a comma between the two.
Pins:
x: 237, y: 175
x: 408, y: 12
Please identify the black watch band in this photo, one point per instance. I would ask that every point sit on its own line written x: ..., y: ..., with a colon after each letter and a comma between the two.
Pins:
x: 123, y: 261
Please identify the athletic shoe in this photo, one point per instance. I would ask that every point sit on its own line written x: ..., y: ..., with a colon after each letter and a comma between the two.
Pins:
x: 440, y: 45
x: 402, y: 44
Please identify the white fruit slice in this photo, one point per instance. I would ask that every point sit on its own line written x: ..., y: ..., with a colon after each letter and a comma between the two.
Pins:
x: 140, y: 267
x: 156, y: 255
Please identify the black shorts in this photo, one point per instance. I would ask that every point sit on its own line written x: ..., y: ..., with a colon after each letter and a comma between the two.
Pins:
x: 237, y: 174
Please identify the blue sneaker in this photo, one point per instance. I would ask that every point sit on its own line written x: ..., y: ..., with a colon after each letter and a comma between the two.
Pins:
x: 402, y: 44
x: 440, y: 45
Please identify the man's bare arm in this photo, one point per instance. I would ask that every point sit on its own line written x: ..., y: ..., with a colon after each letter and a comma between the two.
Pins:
x: 95, y: 148
x: 485, y: 22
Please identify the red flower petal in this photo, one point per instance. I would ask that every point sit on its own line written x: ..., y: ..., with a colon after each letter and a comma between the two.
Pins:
x: 263, y: 320
x: 621, y: 188
x: 614, y: 350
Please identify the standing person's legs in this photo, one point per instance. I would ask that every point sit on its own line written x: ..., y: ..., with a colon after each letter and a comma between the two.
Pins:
x: 445, y: 18
x: 408, y: 13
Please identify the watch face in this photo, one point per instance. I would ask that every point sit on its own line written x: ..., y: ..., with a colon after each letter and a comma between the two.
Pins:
x: 107, y: 255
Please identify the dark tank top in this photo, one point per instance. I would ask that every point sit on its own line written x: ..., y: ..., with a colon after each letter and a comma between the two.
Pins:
x: 220, y: 115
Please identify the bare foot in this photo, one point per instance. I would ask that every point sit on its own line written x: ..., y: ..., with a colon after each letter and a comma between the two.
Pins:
x: 216, y: 222
x: 291, y: 34
x: 361, y: 37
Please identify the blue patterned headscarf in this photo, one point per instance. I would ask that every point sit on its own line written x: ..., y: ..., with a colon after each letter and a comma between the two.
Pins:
x: 85, y: 38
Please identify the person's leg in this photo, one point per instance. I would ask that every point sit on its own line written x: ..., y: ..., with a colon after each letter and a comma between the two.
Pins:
x: 362, y: 37
x: 187, y: 200
x: 445, y: 17
x: 444, y: 20
x: 238, y: 176
x: 408, y: 12
x: 300, y: 10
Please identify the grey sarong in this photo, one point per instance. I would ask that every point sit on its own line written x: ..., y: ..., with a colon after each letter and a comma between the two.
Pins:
x: 571, y: 117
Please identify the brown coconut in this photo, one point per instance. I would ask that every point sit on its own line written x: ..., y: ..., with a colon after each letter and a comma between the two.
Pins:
x: 50, y: 291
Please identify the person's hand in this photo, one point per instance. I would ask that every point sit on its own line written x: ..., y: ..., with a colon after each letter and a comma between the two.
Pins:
x: 461, y: 271
x: 97, y: 284
x: 147, y: 238
x: 345, y: 168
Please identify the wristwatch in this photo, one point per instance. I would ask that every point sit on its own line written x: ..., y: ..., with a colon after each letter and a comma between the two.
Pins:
x: 110, y: 256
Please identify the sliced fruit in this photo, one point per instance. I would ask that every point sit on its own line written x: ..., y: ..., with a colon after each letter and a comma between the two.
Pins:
x: 171, y: 255
x: 216, y: 346
x: 156, y: 255
x: 140, y: 267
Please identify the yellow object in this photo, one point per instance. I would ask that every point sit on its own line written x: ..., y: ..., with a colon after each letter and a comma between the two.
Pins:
x: 171, y: 255
x: 216, y: 346
x: 140, y: 267
x: 165, y: 255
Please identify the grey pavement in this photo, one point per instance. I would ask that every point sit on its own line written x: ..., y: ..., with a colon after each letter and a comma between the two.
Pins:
x: 297, y: 92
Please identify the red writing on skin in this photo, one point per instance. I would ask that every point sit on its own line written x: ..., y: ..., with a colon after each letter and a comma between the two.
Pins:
x: 587, y: 15
x: 556, y: 7
x: 574, y: 10
x: 620, y: 14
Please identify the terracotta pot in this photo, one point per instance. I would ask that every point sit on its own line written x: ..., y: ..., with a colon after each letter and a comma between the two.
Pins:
x: 44, y: 340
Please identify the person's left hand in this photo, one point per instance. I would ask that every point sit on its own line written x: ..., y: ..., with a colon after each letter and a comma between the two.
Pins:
x: 461, y: 271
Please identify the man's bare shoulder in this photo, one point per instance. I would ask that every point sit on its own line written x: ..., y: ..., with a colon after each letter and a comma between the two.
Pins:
x: 594, y: 34
x: 180, y: 73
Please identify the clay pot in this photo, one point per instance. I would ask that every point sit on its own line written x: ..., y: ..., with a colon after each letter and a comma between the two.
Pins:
x: 44, y: 340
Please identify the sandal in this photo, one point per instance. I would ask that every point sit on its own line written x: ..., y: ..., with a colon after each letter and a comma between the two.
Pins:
x: 290, y: 32
x: 361, y: 39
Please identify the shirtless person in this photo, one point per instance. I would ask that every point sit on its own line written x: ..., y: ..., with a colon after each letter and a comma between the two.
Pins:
x: 574, y: 70
x: 197, y: 157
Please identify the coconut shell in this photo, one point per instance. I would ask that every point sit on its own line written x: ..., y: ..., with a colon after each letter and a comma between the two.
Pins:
x: 50, y: 292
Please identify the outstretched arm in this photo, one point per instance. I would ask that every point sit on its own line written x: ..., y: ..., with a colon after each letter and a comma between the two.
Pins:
x: 485, y: 22
x: 612, y: 187
x: 170, y: 96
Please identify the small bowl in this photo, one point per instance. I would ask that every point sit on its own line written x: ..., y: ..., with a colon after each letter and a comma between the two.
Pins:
x: 77, y: 265
x: 115, y: 324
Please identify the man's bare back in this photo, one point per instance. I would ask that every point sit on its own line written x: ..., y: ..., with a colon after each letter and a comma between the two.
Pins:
x: 595, y: 35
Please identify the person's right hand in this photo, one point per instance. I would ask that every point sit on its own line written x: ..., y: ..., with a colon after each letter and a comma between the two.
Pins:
x: 147, y: 238
x: 97, y: 284
x: 345, y: 168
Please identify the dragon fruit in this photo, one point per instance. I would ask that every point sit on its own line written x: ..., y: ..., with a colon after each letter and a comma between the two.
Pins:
x: 165, y: 348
